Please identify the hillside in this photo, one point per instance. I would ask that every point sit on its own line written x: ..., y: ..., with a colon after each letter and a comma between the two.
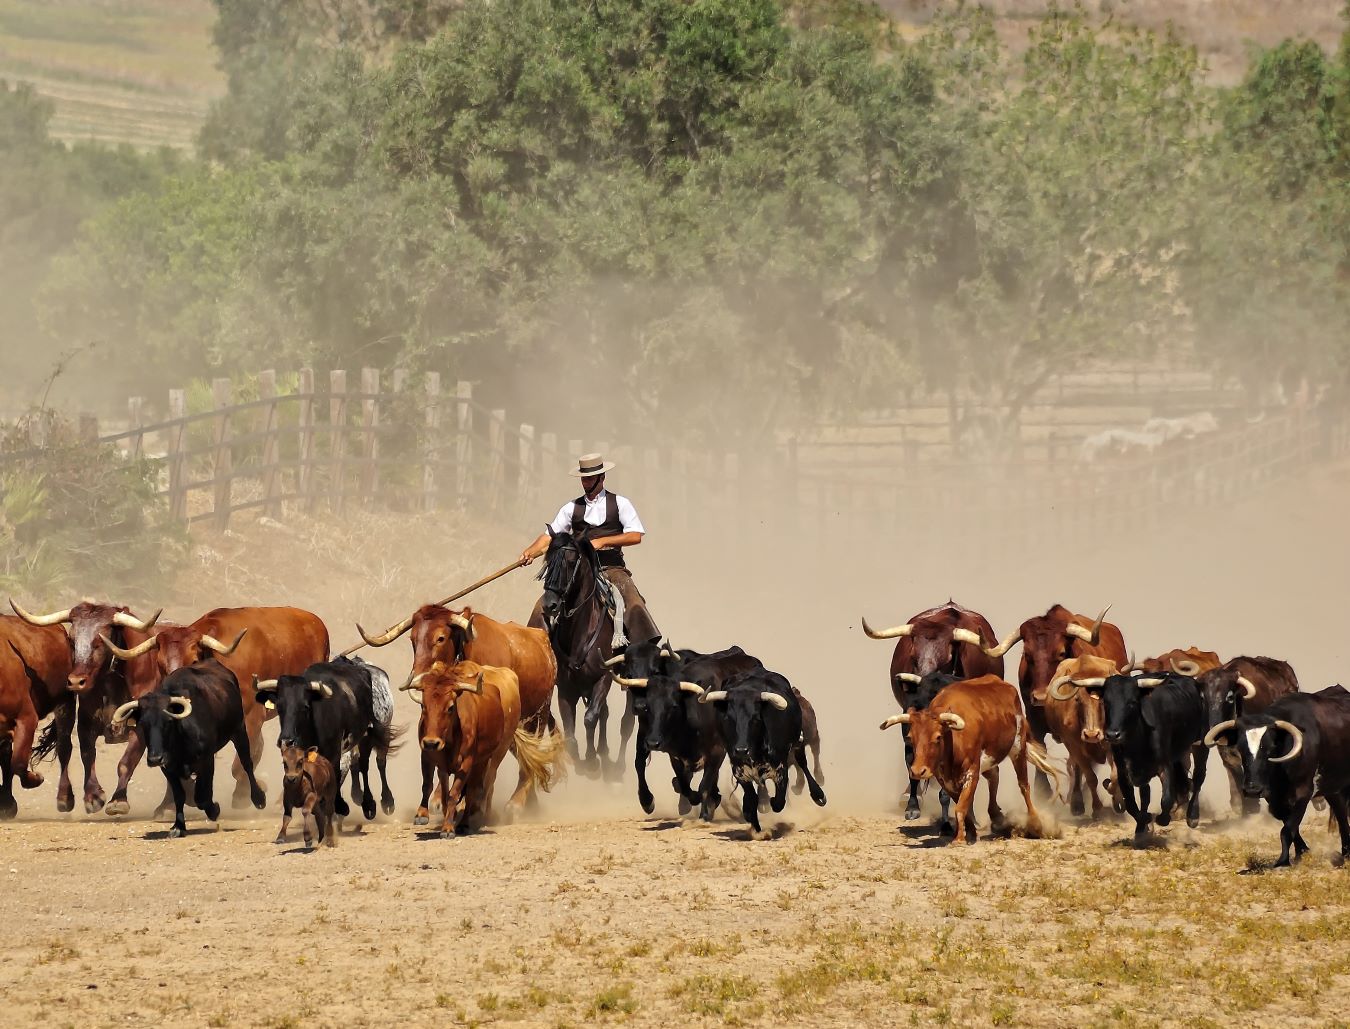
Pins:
x: 144, y: 71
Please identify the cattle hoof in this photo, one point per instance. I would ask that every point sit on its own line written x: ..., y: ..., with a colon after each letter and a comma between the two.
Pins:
x: 946, y: 828
x: 1118, y: 806
x: 281, y: 838
x: 1163, y: 819
x: 387, y: 805
x: 212, y: 811
x: 31, y: 780
x: 1193, y: 821
x: 117, y: 807
x: 340, y: 807
x: 421, y: 819
x: 369, y: 811
x: 64, y: 804
x: 648, y: 804
x: 447, y: 834
x: 685, y: 807
x: 818, y: 796
x: 1077, y: 808
x: 778, y: 803
x: 911, y: 813
x: 8, y: 810
x: 309, y: 843
x: 177, y: 833
x: 1319, y: 803
x: 259, y: 799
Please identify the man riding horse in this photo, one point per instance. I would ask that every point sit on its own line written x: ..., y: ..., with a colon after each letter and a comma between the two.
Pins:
x: 609, y: 523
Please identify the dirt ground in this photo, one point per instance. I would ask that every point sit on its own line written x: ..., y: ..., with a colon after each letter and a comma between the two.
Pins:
x: 591, y: 912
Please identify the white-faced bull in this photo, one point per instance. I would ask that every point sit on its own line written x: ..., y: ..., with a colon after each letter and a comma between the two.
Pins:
x: 1154, y: 724
x: 761, y: 725
x: 1243, y: 686
x: 1295, y: 750
x: 950, y: 640
x: 195, y: 712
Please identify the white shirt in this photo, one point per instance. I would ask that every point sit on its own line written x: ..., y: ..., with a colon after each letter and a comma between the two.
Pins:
x: 595, y: 514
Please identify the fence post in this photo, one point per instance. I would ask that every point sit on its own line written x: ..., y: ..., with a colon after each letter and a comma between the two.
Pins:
x: 304, y: 476
x: 370, y: 421
x: 271, y: 455
x: 177, y: 463
x: 463, y: 440
x: 223, y: 467
x: 136, y: 420
x: 432, y: 422
x: 497, y: 457
x: 337, y: 437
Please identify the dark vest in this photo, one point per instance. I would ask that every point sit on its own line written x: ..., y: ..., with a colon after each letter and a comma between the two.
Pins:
x: 611, y: 557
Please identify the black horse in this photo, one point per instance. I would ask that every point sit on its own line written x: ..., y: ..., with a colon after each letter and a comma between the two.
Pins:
x: 581, y: 630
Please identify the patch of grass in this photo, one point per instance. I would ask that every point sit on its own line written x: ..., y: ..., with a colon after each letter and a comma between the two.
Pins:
x: 711, y: 994
x: 615, y: 1000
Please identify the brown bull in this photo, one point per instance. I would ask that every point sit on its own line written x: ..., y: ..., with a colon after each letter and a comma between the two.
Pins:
x: 1192, y: 661
x: 470, y: 719
x: 34, y: 666
x: 950, y: 639
x: 1243, y: 686
x: 1048, y: 639
x: 442, y: 637
x: 263, y: 643
x: 100, y: 685
x: 967, y: 730
x: 1076, y: 718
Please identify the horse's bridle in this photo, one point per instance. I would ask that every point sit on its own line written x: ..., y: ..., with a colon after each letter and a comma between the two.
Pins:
x: 568, y: 612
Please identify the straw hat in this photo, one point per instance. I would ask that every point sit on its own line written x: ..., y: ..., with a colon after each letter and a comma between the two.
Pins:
x: 591, y: 464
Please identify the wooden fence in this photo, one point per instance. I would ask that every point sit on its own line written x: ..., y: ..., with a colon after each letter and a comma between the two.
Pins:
x: 415, y: 445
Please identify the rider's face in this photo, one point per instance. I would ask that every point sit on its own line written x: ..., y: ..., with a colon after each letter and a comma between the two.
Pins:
x: 591, y: 484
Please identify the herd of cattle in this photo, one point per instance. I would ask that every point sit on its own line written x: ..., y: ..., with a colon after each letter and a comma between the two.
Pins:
x: 178, y: 694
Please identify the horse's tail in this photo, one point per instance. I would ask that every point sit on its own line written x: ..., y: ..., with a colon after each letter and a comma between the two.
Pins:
x: 542, y: 756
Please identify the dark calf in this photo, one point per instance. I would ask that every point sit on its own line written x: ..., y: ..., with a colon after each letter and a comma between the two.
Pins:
x: 310, y: 784
x: 194, y: 713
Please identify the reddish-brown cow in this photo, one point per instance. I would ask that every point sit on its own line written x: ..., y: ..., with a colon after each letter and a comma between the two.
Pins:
x: 470, y: 719
x: 967, y: 730
x: 441, y: 637
x: 1047, y: 640
x: 100, y: 687
x: 263, y: 643
x: 1076, y: 718
x: 34, y: 666
x: 1192, y: 661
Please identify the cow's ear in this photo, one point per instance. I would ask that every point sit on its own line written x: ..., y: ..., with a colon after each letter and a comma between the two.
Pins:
x: 549, y: 530
x: 312, y: 753
x: 655, y: 639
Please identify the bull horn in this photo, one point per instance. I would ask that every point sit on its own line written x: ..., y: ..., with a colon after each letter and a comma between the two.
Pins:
x: 129, y: 621
x: 1148, y: 682
x: 952, y: 720
x: 773, y: 698
x: 1294, y: 731
x: 412, y: 682
x: 691, y: 687
x: 713, y: 696
x: 477, y: 688
x: 55, y: 618
x: 909, y: 677
x: 629, y: 684
x: 966, y: 636
x: 1185, y: 667
x: 1212, y: 737
x: 1089, y: 636
x: 211, y: 643
x: 1093, y: 682
x: 1008, y: 642
x: 1248, y: 687
x: 1129, y: 666
x: 460, y: 622
x: 615, y: 661
x: 144, y: 647
x: 887, y: 634
x: 124, y: 712
x: 263, y: 685
x: 1056, y: 689
x: 388, y: 636
x: 322, y: 688
x: 185, y: 707
x: 902, y: 719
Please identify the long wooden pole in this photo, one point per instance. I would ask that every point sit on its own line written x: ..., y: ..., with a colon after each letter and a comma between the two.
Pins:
x: 453, y: 597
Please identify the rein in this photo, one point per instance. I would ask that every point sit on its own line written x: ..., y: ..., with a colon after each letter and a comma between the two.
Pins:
x: 587, y: 597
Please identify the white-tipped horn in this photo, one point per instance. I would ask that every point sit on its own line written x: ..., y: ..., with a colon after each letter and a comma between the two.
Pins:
x: 129, y: 621
x: 1057, y: 691
x: 775, y: 700
x: 144, y: 647
x: 184, y: 706
x: 1098, y: 680
x: 321, y: 688
x: 413, y: 682
x: 1248, y: 687
x: 55, y: 618
x: 952, y: 720
x: 459, y: 621
x: 211, y: 643
x: 895, y: 720
x: 263, y: 684
x: 966, y: 636
x: 615, y: 661
x: 1212, y: 737
x: 126, y: 711
x: 887, y: 634
x: 388, y: 636
x: 1008, y: 642
x: 1294, y: 731
x: 630, y: 684
x: 713, y: 696
x: 1090, y: 636
x: 1184, y: 667
x: 691, y: 687
x: 1147, y: 682
x: 909, y: 677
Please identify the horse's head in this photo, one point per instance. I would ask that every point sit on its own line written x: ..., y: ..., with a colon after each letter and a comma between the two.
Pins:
x: 570, y: 567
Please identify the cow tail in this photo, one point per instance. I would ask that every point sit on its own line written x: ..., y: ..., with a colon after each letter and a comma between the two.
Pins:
x: 389, y: 738
x: 542, y: 756
x: 46, y: 742
x: 1037, y: 756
